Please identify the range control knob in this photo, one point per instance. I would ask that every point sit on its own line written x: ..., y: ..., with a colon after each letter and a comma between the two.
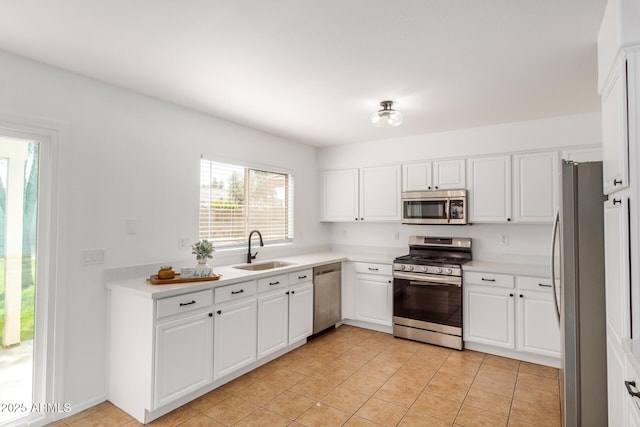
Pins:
x: 399, y: 267
x: 448, y: 271
x: 438, y: 270
x: 423, y: 269
x: 409, y: 267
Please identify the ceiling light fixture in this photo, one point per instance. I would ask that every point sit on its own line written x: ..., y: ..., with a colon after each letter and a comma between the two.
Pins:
x: 387, y: 117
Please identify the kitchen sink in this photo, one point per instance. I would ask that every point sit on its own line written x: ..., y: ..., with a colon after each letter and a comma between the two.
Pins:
x: 263, y: 265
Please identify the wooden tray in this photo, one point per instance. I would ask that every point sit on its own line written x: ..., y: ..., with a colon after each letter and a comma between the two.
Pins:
x: 155, y: 281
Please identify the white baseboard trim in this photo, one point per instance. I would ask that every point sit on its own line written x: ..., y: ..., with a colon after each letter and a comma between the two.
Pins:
x: 554, y: 362
x: 368, y: 325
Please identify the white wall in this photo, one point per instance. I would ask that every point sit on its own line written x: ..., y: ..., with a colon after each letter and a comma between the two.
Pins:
x: 526, y: 243
x: 129, y: 156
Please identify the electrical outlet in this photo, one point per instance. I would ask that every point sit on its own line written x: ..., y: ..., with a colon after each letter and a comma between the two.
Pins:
x: 93, y: 256
x: 504, y: 239
x: 183, y: 242
x: 344, y: 234
x: 396, y: 235
x: 132, y: 226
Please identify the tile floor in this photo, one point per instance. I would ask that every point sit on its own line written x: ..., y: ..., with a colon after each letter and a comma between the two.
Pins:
x: 356, y: 377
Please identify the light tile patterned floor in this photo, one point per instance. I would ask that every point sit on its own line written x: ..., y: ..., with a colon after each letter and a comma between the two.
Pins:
x: 357, y: 377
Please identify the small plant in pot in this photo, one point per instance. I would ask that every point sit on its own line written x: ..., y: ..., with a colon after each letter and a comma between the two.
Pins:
x: 203, y: 250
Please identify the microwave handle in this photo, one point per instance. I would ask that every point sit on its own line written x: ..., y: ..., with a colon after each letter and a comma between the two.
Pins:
x: 448, y: 210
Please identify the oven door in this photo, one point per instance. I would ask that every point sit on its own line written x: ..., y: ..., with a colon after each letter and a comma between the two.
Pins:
x: 425, y: 210
x: 426, y: 298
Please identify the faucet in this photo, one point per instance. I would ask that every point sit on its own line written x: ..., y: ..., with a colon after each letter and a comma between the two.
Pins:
x: 249, y: 256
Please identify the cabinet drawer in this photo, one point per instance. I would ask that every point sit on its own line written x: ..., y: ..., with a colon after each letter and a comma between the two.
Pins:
x: 300, y: 277
x: 273, y: 282
x: 183, y: 303
x: 234, y: 292
x: 534, y: 283
x: 490, y: 279
x: 371, y: 268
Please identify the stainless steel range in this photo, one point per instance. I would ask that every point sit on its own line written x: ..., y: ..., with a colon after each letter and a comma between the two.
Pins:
x: 427, y: 290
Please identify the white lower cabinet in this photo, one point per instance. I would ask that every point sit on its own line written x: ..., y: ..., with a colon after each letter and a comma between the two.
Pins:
x: 235, y: 337
x: 516, y: 315
x: 632, y: 381
x: 300, y: 312
x: 537, y: 325
x: 489, y: 316
x: 374, y: 293
x: 285, y: 317
x: 184, y: 356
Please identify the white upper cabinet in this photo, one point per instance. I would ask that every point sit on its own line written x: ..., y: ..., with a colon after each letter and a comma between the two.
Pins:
x: 380, y: 193
x: 339, y: 195
x: 583, y: 155
x: 417, y: 177
x: 615, y: 135
x: 448, y: 175
x: 437, y: 175
x: 535, y: 187
x: 489, y: 189
x: 367, y: 194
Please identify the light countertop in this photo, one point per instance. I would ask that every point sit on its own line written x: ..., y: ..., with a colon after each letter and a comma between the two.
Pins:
x: 520, y: 269
x: 230, y: 275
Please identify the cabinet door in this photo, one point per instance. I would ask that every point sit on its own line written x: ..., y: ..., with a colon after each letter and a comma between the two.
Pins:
x: 380, y: 189
x: 235, y: 337
x: 416, y: 177
x: 374, y: 299
x: 489, y: 189
x: 183, y: 357
x: 538, y: 330
x: 536, y: 186
x: 489, y: 316
x: 339, y: 195
x: 615, y: 137
x: 616, y: 391
x: 616, y: 258
x: 449, y: 175
x: 632, y: 403
x: 300, y: 312
x: 273, y: 322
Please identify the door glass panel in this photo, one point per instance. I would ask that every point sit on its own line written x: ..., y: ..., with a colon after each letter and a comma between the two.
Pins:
x: 416, y: 209
x: 18, y: 207
x: 435, y: 304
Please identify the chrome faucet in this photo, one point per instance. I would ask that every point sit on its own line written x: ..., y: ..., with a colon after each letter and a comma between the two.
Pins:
x: 249, y: 256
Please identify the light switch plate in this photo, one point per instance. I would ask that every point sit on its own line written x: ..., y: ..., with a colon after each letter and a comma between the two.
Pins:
x: 93, y: 256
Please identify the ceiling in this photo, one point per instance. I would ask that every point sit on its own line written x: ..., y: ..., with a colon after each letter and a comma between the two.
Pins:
x: 315, y: 70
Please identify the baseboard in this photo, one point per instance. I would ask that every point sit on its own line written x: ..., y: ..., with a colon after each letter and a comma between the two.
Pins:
x: 367, y: 325
x: 554, y: 362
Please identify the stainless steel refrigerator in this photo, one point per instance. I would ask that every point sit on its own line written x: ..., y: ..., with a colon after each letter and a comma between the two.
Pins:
x: 581, y: 295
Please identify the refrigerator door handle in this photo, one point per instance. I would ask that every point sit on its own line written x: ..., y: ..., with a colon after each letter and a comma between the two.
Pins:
x: 554, y: 235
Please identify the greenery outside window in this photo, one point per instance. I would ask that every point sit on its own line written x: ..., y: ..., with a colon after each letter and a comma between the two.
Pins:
x: 235, y: 200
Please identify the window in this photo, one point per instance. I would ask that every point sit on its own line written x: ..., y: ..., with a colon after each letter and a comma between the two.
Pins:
x: 235, y: 200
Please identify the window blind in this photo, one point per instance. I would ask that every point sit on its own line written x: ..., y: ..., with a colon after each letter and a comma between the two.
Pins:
x: 235, y: 200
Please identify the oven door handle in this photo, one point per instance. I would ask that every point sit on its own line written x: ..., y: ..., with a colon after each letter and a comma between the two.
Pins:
x: 429, y: 279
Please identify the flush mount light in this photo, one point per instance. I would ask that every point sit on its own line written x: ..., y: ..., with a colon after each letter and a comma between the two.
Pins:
x: 387, y: 117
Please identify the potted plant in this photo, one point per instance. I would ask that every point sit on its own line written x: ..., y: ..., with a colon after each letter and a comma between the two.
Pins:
x: 203, y: 250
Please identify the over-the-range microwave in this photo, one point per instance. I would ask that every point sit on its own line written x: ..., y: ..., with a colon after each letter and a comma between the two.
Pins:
x: 434, y: 207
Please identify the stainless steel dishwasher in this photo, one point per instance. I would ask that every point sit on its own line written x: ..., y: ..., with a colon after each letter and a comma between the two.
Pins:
x: 327, y: 296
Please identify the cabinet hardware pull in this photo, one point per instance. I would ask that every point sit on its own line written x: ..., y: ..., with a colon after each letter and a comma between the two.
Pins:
x: 293, y: 292
x: 389, y: 281
x: 488, y: 280
x: 302, y: 277
x: 521, y: 296
x: 436, y: 187
x: 237, y: 292
x: 219, y: 311
x: 510, y: 295
x: 210, y: 314
x: 182, y: 304
x: 373, y: 269
x: 617, y: 181
x: 356, y: 219
x: 508, y: 219
x: 630, y: 384
x: 361, y: 219
x: 543, y: 285
x: 617, y: 201
x: 274, y: 283
x: 287, y: 292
